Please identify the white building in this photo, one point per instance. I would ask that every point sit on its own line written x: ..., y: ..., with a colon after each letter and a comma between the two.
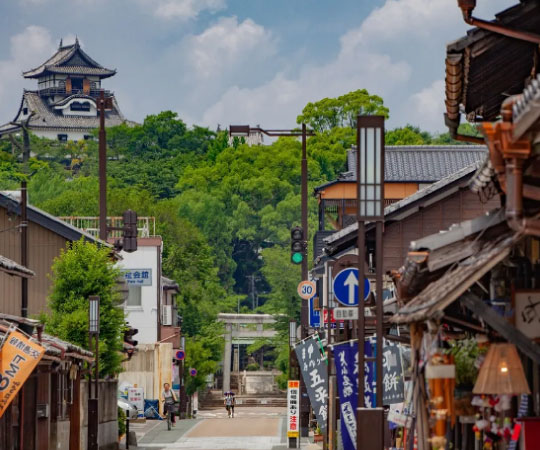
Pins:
x: 64, y: 105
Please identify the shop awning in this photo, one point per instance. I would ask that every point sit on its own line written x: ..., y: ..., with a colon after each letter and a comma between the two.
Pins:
x: 431, y: 301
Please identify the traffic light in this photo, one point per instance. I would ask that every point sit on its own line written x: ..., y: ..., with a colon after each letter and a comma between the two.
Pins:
x: 297, y: 245
x: 129, y: 332
x: 130, y: 231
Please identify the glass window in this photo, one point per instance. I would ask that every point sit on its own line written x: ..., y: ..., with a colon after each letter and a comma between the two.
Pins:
x: 62, y: 137
x: 134, y: 296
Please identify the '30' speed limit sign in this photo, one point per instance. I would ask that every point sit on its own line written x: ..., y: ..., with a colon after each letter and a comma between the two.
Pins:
x: 306, y: 289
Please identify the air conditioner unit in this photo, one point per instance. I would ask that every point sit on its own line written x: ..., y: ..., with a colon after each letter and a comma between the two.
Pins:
x: 166, y: 315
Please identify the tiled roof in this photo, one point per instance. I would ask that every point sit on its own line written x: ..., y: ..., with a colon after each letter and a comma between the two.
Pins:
x: 396, y: 207
x: 45, y: 117
x: 74, y: 96
x: 422, y: 163
x: 11, y: 267
x: 71, y: 59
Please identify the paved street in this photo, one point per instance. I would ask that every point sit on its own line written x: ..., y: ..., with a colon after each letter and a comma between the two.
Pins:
x: 251, y: 429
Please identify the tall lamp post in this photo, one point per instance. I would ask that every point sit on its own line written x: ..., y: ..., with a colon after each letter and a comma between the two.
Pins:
x: 370, y: 207
x: 245, y: 131
x: 93, y: 394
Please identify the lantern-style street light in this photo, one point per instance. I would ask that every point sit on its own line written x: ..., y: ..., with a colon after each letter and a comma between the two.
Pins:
x: 93, y: 394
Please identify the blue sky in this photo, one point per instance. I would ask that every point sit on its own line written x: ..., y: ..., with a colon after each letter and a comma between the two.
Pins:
x: 244, y: 61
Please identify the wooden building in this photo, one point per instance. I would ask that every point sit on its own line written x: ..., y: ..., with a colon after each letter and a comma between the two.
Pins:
x: 408, y: 169
x: 47, y: 235
x: 433, y: 208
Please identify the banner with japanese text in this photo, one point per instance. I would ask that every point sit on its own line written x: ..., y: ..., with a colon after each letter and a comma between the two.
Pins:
x: 18, y: 358
x: 346, y: 361
x: 293, y: 407
x: 315, y: 375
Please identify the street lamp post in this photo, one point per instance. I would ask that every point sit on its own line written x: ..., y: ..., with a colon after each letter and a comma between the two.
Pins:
x: 93, y: 394
x: 370, y: 207
x: 245, y: 131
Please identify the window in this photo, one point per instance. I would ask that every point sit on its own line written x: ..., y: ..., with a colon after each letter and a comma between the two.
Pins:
x: 62, y: 137
x: 134, y: 296
x: 80, y: 106
x: 88, y: 137
x: 25, y: 111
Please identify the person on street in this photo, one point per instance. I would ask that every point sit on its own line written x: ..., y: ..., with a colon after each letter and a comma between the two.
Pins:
x: 229, y: 404
x: 169, y: 398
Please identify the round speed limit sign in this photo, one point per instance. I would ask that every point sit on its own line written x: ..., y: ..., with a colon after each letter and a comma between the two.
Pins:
x: 306, y: 289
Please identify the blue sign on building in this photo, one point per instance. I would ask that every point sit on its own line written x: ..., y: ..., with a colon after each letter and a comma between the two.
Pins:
x: 346, y: 287
x: 314, y: 315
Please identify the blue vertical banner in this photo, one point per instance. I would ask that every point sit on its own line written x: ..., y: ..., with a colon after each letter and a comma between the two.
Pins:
x: 346, y: 360
x: 314, y: 314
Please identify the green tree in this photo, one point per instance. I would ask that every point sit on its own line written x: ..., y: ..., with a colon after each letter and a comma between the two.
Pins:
x: 84, y: 269
x: 342, y: 111
x: 407, y: 135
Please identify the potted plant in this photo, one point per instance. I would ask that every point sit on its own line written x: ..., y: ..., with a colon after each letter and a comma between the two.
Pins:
x: 466, y: 354
x: 317, y: 435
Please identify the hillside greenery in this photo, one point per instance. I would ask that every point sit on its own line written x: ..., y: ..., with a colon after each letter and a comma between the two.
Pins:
x: 224, y: 212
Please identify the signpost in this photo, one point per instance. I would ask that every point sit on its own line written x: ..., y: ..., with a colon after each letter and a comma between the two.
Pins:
x: 346, y: 287
x: 193, y: 372
x: 314, y: 314
x: 306, y: 289
x: 180, y: 355
x: 293, y: 413
x: 346, y: 313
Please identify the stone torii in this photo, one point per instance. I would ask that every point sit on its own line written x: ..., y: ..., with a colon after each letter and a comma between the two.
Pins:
x: 242, y: 319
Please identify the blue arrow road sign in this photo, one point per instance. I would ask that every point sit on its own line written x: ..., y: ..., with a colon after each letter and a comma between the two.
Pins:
x: 346, y: 287
x: 314, y: 316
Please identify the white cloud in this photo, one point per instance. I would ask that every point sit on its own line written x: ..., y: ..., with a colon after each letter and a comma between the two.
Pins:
x: 183, y: 9
x: 397, y: 52
x: 226, y: 44
x: 427, y: 106
x: 28, y: 49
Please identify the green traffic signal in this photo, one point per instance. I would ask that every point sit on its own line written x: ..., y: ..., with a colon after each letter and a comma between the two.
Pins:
x: 297, y: 258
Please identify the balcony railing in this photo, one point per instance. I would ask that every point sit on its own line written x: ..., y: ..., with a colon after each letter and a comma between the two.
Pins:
x: 62, y: 91
x: 146, y: 226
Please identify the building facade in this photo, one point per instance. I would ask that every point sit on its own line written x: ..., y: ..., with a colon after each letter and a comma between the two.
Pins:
x: 64, y: 105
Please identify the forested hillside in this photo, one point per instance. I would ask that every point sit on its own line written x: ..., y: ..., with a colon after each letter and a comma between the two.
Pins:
x: 224, y: 213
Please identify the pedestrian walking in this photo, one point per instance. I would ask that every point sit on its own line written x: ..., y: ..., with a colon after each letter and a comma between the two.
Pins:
x: 229, y: 404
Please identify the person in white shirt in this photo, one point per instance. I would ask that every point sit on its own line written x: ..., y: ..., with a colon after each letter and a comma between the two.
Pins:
x: 169, y: 398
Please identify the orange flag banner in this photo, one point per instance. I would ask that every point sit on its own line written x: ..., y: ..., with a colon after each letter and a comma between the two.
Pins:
x: 18, y: 357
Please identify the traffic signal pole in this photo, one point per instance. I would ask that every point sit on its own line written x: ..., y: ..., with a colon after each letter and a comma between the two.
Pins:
x: 304, y: 403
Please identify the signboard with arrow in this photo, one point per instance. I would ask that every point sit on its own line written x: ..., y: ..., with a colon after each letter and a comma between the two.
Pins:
x: 346, y: 287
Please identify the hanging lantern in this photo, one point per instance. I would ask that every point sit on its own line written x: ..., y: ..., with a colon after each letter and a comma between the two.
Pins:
x: 501, y: 372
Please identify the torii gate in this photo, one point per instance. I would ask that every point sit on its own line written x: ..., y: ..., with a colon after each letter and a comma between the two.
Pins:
x: 247, y: 319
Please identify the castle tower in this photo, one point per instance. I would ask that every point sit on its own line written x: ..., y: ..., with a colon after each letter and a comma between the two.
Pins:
x: 64, y: 105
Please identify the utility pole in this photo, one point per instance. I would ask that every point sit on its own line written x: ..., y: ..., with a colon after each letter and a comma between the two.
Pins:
x: 24, y: 249
x: 102, y: 169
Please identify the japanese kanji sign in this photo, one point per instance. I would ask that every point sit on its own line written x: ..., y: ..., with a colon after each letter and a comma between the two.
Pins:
x: 393, y: 387
x: 293, y: 408
x: 138, y: 277
x: 315, y: 375
x: 18, y: 358
x: 346, y: 360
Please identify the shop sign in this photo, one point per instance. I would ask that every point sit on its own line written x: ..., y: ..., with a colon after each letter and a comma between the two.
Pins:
x: 136, y: 396
x: 137, y: 277
x: 18, y: 358
x: 293, y: 407
x: 315, y: 374
x: 527, y: 312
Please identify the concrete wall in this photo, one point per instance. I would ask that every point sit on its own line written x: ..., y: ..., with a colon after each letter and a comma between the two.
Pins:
x: 145, y: 317
x: 107, y: 413
x: 149, y: 368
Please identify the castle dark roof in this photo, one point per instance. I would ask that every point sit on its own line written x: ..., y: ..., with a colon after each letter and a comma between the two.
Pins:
x: 70, y: 60
x: 46, y: 118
